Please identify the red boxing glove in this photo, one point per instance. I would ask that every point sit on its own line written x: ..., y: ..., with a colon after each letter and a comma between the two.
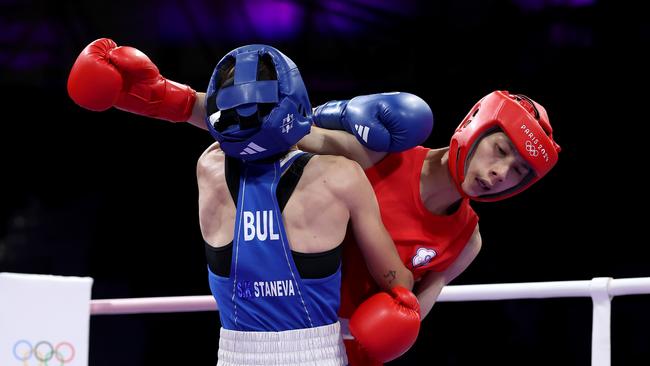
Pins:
x: 106, y: 75
x: 387, y: 325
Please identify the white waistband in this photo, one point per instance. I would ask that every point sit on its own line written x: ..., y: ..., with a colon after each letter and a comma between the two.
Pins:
x: 320, y: 346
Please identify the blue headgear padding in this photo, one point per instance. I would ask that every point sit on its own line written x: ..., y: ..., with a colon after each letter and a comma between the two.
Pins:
x: 288, y: 121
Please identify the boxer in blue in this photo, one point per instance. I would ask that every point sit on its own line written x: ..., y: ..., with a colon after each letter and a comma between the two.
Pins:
x: 272, y: 217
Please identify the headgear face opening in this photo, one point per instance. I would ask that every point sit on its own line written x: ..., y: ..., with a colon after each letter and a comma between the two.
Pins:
x: 526, y: 124
x: 238, y: 115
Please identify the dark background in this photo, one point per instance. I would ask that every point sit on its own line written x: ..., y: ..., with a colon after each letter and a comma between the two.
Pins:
x: 113, y: 196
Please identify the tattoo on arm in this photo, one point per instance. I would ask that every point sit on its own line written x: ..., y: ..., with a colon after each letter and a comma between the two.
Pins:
x: 391, y: 276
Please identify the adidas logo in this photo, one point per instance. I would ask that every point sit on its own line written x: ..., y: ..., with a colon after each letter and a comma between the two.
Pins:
x: 252, y: 149
x: 362, y: 131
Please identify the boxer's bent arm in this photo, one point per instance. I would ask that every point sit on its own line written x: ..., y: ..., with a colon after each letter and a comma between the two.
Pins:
x: 432, y: 283
x: 198, y: 112
x: 332, y: 142
x: 375, y: 243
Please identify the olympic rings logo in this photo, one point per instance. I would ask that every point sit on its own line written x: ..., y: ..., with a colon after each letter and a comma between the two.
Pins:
x: 531, y: 149
x: 44, y: 352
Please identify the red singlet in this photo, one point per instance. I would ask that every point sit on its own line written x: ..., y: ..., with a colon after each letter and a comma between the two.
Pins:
x: 425, y: 242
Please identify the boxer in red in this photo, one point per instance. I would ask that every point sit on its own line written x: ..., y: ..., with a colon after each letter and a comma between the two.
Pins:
x: 503, y: 145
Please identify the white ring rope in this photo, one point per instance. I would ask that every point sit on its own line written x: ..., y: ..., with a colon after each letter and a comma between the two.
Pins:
x: 600, y: 289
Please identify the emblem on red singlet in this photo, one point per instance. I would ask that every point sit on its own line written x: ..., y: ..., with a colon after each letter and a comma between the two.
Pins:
x: 422, y: 257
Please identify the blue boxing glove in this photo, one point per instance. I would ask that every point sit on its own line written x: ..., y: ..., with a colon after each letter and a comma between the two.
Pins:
x: 387, y: 122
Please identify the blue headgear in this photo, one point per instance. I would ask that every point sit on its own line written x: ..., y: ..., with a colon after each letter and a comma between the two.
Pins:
x: 234, y: 116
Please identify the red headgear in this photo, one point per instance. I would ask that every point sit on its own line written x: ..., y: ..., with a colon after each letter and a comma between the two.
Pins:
x: 526, y: 124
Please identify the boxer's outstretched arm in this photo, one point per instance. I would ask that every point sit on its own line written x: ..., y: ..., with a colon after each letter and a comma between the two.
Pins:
x: 198, y: 112
x: 332, y: 142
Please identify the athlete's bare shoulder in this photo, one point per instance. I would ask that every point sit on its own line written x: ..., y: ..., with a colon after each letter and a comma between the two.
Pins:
x: 338, y: 173
x: 211, y: 164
